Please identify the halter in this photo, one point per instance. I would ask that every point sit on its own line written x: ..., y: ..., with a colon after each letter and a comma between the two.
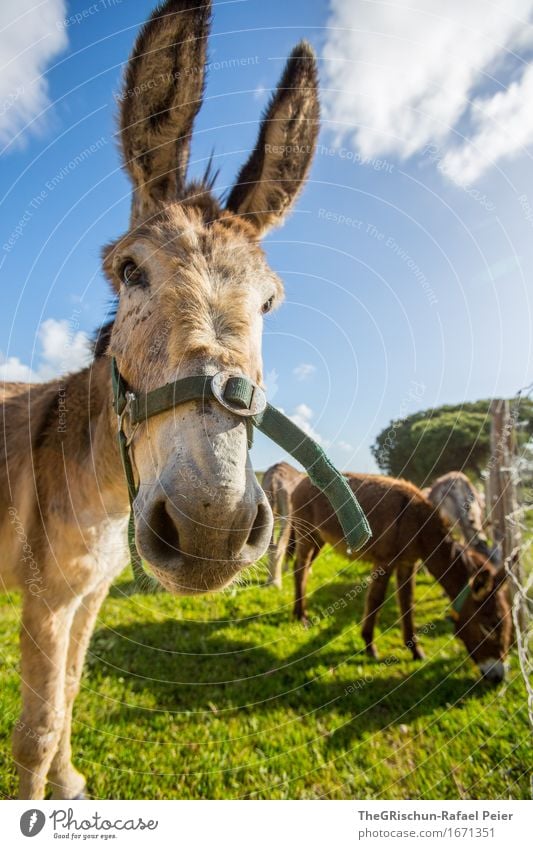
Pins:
x: 459, y: 600
x: 245, y: 399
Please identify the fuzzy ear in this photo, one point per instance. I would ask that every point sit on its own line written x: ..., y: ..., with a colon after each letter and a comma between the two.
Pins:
x: 482, y: 583
x: 500, y: 577
x: 270, y: 181
x: 163, y: 90
x: 458, y: 551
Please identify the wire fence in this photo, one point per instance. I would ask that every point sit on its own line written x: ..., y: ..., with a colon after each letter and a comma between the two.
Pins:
x: 514, y: 467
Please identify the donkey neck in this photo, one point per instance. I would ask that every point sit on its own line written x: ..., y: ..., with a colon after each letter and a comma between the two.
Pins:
x: 443, y: 563
x: 80, y: 428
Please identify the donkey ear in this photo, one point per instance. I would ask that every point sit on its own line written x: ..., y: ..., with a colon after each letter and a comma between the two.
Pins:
x: 271, y: 179
x: 163, y: 90
x: 482, y: 583
x: 458, y: 551
x: 500, y: 577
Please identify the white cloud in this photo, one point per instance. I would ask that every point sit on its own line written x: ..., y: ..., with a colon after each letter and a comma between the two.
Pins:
x: 401, y: 78
x: 302, y: 417
x: 31, y: 35
x: 303, y: 371
x: 63, y: 349
x: 271, y: 384
x: 502, y: 126
x: 345, y: 446
x: 12, y: 369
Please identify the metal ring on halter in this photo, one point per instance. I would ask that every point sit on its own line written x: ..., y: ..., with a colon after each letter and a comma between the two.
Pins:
x: 252, y: 406
x: 130, y: 398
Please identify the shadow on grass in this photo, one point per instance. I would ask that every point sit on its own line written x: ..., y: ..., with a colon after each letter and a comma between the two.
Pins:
x: 192, y: 666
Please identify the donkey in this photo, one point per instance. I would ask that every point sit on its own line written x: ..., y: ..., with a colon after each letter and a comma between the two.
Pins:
x: 406, y: 528
x: 278, y: 484
x: 192, y: 285
x: 462, y: 506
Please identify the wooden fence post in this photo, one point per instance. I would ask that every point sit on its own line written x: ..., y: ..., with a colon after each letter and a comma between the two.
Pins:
x: 503, y: 503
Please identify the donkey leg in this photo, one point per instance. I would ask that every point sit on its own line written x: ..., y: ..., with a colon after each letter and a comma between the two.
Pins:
x: 44, y: 647
x: 306, y: 551
x: 66, y: 782
x: 375, y: 597
x: 405, y: 583
x: 279, y: 550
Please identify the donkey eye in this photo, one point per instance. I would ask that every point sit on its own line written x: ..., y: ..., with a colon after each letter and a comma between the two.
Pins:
x: 267, y: 306
x: 131, y: 274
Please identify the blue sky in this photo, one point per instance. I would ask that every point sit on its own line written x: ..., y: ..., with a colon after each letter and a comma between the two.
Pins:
x: 408, y: 259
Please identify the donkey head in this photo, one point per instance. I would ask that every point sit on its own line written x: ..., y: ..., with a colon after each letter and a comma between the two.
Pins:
x: 193, y: 286
x: 484, y: 623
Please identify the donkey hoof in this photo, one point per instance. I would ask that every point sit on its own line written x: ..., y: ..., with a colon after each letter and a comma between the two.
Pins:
x: 300, y: 617
x: 418, y: 654
x: 81, y: 795
x: 371, y: 652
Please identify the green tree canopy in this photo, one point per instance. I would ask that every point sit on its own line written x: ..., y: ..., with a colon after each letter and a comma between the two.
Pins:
x: 432, y: 442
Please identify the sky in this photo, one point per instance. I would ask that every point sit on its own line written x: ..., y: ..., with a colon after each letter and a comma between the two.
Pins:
x: 408, y: 258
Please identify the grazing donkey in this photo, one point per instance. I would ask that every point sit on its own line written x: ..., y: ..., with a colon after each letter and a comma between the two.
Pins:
x: 462, y: 506
x: 278, y: 484
x: 406, y: 528
x: 192, y: 286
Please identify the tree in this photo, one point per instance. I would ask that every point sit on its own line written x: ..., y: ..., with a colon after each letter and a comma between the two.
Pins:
x: 432, y: 442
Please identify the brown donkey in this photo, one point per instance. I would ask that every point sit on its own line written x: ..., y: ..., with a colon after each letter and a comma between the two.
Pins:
x: 278, y: 484
x: 192, y: 285
x: 462, y: 506
x: 407, y: 528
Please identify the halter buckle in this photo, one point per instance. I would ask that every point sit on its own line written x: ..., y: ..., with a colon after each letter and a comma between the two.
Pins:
x: 130, y: 397
x: 238, y: 394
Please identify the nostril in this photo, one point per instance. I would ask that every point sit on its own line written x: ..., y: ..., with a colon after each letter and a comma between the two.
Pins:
x: 164, y: 530
x: 261, y: 521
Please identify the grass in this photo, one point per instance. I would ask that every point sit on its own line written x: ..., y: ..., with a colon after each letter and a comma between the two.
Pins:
x: 224, y: 696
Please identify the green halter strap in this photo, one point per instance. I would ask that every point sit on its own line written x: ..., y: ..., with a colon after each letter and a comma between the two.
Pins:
x: 245, y: 399
x: 459, y: 600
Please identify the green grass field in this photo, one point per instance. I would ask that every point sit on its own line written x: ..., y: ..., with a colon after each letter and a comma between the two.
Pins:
x: 225, y: 697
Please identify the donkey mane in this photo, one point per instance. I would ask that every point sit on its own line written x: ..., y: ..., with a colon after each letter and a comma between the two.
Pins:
x: 102, y: 336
